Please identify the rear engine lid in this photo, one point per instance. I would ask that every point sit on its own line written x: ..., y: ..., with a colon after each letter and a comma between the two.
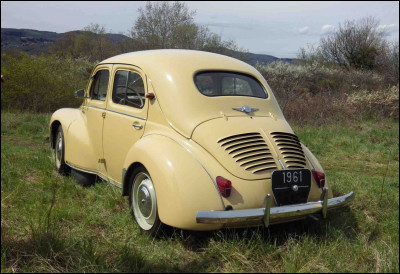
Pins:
x: 251, y: 148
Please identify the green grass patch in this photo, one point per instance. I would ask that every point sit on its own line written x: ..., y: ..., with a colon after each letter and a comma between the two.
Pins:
x: 49, y: 223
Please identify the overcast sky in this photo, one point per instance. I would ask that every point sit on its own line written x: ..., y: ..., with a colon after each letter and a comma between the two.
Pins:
x: 275, y: 28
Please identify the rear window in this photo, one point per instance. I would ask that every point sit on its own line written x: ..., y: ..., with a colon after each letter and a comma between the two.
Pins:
x: 217, y: 83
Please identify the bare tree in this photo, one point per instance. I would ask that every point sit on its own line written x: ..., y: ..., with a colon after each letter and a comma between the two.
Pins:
x: 91, y: 42
x: 354, y: 44
x: 388, y: 62
x: 96, y: 43
x: 163, y: 25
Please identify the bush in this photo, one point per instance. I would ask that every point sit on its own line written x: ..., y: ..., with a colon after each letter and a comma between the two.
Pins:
x: 310, y: 92
x: 42, y: 84
x: 376, y: 103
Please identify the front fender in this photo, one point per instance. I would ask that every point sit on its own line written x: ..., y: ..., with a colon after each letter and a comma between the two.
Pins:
x: 183, y: 185
x: 63, y: 117
x: 78, y: 149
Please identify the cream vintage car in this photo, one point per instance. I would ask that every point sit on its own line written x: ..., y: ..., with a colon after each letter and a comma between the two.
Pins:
x: 196, y: 140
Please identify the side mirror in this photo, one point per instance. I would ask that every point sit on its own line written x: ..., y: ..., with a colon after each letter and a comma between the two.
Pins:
x: 80, y: 93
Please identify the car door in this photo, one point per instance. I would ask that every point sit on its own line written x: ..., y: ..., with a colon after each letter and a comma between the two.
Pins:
x: 94, y: 111
x: 126, y: 117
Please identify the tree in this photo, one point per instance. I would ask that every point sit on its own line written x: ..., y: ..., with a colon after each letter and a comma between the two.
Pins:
x: 355, y: 44
x: 92, y: 42
x: 165, y: 25
x: 388, y: 62
x: 160, y: 25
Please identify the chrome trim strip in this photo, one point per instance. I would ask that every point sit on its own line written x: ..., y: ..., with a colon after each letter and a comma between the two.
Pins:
x: 276, y: 214
x: 191, y: 153
x: 126, y: 114
x: 283, y: 166
x: 80, y: 169
x: 94, y: 173
x: 116, y: 111
x: 95, y: 107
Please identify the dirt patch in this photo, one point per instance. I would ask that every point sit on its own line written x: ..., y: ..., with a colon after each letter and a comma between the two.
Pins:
x: 32, y: 177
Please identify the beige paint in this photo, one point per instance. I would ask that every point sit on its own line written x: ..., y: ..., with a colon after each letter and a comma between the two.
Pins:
x: 178, y: 142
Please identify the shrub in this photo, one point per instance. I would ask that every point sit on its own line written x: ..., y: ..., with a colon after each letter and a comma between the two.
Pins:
x: 313, y: 93
x: 41, y: 84
x: 376, y: 103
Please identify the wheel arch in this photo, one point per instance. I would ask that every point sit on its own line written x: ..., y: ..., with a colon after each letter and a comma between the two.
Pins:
x: 53, y: 131
x: 183, y: 186
x: 127, y: 173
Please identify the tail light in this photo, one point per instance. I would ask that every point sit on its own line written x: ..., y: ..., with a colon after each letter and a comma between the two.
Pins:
x: 319, y: 178
x: 150, y: 96
x: 224, y: 186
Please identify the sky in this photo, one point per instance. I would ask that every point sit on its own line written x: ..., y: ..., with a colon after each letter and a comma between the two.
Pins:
x: 275, y: 28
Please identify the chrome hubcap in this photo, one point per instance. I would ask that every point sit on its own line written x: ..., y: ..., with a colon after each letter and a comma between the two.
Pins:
x: 58, y: 150
x: 144, y: 201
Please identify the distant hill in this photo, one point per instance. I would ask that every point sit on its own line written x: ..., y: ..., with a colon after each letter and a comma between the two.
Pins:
x: 37, y: 42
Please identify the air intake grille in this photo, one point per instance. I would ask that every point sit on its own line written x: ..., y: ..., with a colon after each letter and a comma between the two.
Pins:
x: 290, y: 149
x: 250, y: 151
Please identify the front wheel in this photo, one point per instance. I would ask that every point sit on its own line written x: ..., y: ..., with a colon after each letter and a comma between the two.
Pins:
x: 143, y: 202
x: 59, y: 153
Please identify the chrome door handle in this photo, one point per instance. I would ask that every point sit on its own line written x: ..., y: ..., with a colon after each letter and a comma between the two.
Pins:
x: 137, y: 126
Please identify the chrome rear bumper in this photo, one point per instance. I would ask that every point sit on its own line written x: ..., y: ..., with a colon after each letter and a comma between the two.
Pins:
x: 268, y: 215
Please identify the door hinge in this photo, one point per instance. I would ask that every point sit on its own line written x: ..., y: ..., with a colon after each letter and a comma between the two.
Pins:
x: 102, y: 161
x: 103, y: 114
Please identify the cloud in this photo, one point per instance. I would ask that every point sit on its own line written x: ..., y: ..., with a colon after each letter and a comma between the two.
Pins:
x: 229, y: 25
x: 387, y: 29
x: 327, y: 29
x: 304, y: 30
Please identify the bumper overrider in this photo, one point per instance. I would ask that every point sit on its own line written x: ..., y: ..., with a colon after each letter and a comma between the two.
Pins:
x: 267, y: 215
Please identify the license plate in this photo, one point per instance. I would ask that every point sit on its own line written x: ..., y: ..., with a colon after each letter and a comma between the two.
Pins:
x: 291, y: 186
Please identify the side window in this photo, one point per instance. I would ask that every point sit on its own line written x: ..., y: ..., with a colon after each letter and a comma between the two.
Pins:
x: 98, y: 90
x: 128, y: 89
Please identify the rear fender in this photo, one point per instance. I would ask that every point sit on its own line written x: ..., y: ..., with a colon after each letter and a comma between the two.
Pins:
x: 183, y: 185
x: 314, y: 163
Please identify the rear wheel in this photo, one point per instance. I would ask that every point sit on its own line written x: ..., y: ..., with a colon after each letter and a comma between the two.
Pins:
x: 59, y: 153
x: 143, y: 202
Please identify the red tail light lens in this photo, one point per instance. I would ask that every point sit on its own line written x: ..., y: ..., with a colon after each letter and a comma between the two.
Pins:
x: 320, y: 178
x: 224, y: 186
x: 150, y: 96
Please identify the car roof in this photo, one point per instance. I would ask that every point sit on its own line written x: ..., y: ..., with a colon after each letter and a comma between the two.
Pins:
x: 170, y: 56
x: 170, y: 74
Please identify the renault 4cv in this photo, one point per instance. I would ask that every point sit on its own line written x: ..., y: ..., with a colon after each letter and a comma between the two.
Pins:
x: 196, y: 140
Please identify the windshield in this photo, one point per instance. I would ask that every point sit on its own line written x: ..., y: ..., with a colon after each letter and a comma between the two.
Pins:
x: 217, y: 83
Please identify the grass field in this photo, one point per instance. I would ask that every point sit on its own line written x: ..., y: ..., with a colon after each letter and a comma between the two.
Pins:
x: 49, y: 223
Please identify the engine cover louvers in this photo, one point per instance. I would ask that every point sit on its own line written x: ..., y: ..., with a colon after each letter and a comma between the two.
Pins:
x: 290, y: 149
x: 249, y: 151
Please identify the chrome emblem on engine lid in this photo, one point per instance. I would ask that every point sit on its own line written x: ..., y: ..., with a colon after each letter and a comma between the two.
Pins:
x: 246, y: 109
